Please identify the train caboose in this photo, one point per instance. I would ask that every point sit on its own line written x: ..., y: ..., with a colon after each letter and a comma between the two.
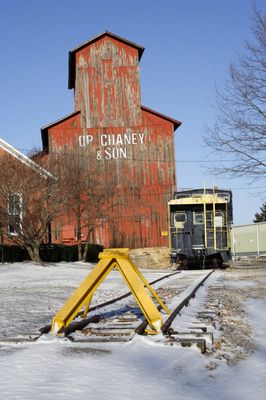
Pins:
x: 199, y: 227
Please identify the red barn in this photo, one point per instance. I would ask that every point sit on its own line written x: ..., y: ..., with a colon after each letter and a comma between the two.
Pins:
x: 133, y: 141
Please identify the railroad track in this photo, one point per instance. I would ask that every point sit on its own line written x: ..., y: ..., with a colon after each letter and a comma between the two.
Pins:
x: 118, y: 320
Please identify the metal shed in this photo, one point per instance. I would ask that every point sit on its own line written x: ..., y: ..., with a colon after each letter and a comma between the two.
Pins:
x: 248, y: 240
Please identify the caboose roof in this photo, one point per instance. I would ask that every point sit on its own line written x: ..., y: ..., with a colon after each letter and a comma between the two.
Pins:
x: 72, y: 53
x: 201, y: 199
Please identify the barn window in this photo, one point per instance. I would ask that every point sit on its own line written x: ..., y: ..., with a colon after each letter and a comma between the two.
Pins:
x: 14, y: 206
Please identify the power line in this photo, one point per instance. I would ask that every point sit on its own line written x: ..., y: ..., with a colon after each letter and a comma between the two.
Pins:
x: 179, y: 161
x: 140, y: 159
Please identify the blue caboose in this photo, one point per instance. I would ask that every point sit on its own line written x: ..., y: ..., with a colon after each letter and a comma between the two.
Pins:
x: 199, y: 227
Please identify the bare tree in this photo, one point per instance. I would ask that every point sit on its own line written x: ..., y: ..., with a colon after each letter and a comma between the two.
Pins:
x: 30, y: 198
x: 89, y: 193
x: 240, y: 127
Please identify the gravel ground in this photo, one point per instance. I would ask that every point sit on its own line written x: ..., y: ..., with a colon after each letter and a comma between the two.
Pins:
x: 234, y: 338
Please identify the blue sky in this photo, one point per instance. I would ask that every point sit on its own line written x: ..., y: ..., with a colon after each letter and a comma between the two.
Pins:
x: 188, y: 48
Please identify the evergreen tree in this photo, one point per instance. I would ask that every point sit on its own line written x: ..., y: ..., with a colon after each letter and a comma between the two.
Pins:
x: 261, y: 216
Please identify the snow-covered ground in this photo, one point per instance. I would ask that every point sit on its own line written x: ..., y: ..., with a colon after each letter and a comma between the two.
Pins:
x: 143, y: 368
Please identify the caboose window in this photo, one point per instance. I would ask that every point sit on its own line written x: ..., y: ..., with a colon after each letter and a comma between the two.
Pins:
x: 198, y: 218
x: 219, y: 219
x: 180, y: 217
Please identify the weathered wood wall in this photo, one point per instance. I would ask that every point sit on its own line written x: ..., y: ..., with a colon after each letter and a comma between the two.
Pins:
x: 123, y: 137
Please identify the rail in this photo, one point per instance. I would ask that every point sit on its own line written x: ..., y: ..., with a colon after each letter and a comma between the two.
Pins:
x: 81, y: 324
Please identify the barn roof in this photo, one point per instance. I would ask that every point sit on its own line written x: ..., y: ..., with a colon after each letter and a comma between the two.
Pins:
x: 44, y: 129
x: 72, y: 53
x: 24, y: 159
x: 174, y: 121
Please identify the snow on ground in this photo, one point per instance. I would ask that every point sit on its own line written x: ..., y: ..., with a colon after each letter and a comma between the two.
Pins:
x: 144, y: 368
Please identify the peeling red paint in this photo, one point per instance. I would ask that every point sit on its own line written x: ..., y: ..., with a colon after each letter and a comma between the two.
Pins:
x: 116, y: 130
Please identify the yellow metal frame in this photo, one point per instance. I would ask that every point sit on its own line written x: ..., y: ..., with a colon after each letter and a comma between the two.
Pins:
x: 205, y: 217
x: 109, y: 259
x: 214, y: 221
